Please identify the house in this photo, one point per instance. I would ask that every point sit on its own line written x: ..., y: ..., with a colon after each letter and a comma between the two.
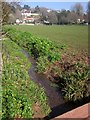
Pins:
x: 28, y: 17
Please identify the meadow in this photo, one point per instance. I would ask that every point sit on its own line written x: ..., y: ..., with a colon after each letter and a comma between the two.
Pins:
x: 72, y: 36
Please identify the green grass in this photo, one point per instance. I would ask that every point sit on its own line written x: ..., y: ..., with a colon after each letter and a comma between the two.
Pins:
x: 70, y: 35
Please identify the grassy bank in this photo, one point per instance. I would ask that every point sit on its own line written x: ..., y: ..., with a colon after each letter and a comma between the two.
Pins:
x: 19, y: 92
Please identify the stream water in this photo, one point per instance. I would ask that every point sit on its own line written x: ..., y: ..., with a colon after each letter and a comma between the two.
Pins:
x: 55, y: 99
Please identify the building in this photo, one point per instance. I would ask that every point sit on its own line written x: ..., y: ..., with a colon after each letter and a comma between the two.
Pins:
x: 28, y: 17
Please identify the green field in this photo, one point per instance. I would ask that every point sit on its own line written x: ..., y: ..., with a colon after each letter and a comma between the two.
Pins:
x: 73, y: 36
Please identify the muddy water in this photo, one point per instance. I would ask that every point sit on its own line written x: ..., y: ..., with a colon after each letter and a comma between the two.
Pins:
x: 53, y: 93
x: 55, y: 99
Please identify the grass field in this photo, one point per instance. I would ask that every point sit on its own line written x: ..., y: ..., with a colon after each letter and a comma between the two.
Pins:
x: 73, y: 36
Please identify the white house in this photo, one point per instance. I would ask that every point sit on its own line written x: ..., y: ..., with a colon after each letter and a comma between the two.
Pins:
x: 29, y: 17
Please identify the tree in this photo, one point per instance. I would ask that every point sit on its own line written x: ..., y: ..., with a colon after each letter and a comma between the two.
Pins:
x: 6, y: 9
x: 37, y: 9
x: 43, y: 13
x: 18, y: 14
x: 78, y: 9
x: 9, y: 9
x: 88, y: 12
x: 72, y: 17
x: 26, y: 7
x: 52, y: 18
x: 12, y: 19
x: 88, y: 9
x: 15, y: 5
x: 63, y: 16
x: 85, y: 17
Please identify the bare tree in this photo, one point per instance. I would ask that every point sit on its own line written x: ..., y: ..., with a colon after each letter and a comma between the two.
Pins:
x: 18, y: 14
x: 72, y: 17
x: 78, y: 9
x: 88, y: 9
x: 12, y: 18
x: 43, y: 13
x: 6, y: 9
x: 88, y: 12
x: 52, y: 17
x: 9, y: 8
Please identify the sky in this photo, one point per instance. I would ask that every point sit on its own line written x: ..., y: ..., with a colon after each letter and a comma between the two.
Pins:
x: 55, y: 5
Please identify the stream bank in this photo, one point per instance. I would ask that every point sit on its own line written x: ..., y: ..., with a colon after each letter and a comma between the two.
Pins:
x: 55, y: 100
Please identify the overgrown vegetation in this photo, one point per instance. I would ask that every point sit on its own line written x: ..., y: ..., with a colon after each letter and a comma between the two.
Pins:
x: 19, y: 92
x: 72, y: 75
x: 75, y: 82
x: 38, y: 48
x: 69, y: 71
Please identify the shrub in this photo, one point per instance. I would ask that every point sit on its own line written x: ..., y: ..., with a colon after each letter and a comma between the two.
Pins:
x: 75, y: 82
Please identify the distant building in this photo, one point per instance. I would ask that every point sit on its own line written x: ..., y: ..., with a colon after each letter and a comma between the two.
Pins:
x: 49, y: 10
x: 28, y: 17
x: 47, y: 22
x: 17, y: 21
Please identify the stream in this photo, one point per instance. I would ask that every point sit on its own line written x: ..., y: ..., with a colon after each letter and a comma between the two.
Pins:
x: 55, y: 100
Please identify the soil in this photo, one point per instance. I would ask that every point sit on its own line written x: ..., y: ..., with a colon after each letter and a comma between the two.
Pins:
x: 37, y: 111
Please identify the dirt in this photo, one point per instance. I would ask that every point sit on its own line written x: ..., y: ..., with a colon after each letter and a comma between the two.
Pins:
x: 37, y: 111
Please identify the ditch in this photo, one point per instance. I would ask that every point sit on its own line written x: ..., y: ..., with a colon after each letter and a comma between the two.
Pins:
x: 55, y: 100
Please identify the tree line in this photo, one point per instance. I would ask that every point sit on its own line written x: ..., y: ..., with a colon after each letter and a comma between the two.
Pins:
x: 12, y: 11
